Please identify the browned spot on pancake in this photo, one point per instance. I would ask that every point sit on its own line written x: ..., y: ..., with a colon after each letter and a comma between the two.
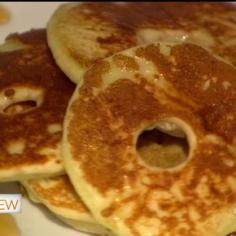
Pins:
x: 210, y: 157
x: 93, y: 77
x: 152, y: 53
x: 9, y: 92
x: 201, y: 77
x: 59, y: 193
x: 191, y: 15
x: 79, y: 58
x: 125, y: 62
x: 118, y: 41
x: 217, y: 29
x: 32, y: 68
x: 228, y: 52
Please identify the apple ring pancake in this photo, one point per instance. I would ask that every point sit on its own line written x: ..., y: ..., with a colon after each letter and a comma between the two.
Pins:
x: 168, y: 87
x: 33, y: 98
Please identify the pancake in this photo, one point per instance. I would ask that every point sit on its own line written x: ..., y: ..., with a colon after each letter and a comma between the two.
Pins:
x: 58, y: 195
x: 181, y: 85
x: 33, y: 98
x: 80, y: 34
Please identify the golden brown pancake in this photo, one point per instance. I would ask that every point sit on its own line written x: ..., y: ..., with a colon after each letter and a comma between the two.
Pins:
x: 80, y: 34
x: 33, y: 97
x: 163, y: 85
x: 59, y: 196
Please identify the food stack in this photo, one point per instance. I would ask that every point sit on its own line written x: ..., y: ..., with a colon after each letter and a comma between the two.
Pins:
x: 83, y: 100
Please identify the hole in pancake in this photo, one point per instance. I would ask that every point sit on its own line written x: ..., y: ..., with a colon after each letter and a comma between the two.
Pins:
x: 17, y: 100
x: 162, y: 150
x: 20, y: 107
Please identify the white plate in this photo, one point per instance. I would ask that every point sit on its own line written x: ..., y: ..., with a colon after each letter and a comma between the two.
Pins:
x: 34, y: 220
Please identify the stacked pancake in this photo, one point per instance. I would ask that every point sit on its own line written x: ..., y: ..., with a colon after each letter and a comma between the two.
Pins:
x: 140, y: 68
x: 34, y: 97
